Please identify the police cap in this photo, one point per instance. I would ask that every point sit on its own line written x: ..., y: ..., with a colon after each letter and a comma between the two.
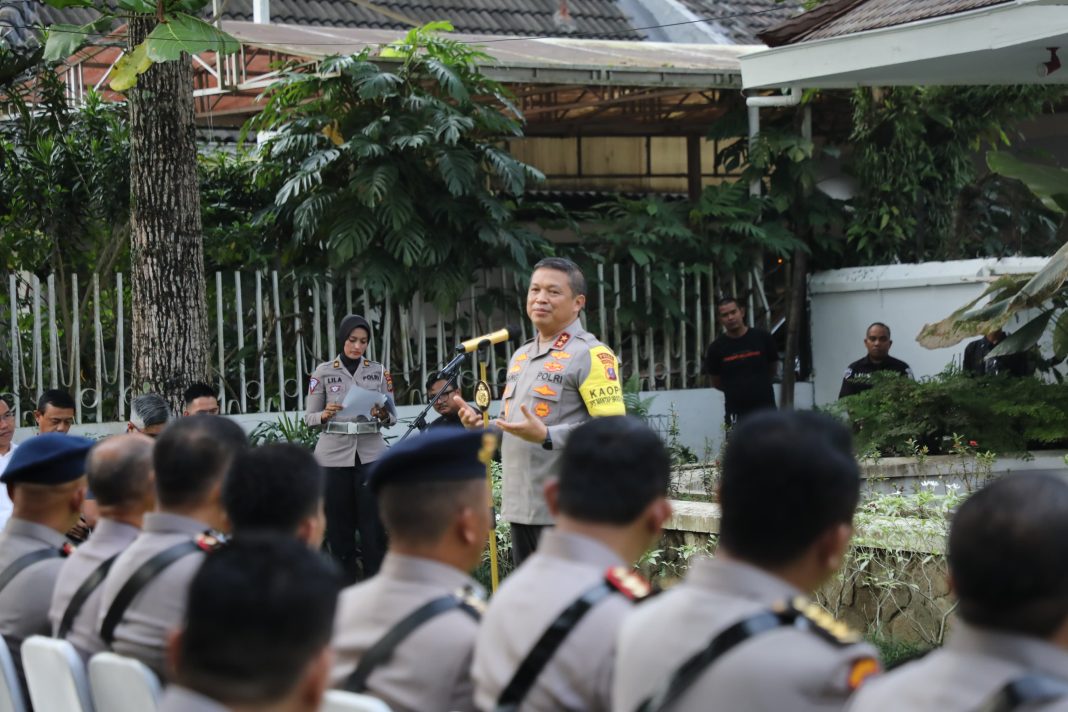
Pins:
x: 49, y: 459
x: 445, y: 454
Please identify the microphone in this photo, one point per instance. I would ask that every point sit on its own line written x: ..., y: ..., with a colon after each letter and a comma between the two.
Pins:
x: 494, y: 337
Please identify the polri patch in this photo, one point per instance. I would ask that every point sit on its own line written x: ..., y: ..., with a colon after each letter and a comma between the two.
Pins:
x: 542, y: 409
x: 554, y: 366
x: 312, y: 384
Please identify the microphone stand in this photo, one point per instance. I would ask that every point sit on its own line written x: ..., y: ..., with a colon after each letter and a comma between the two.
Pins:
x: 451, y: 372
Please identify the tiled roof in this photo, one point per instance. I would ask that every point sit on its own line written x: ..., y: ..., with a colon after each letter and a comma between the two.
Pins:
x: 843, y: 17
x: 743, y: 20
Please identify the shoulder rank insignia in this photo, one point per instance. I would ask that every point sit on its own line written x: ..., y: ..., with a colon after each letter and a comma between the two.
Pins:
x: 861, y: 670
x: 628, y: 582
x: 471, y: 599
x: 823, y: 623
x: 561, y: 341
x: 337, y: 363
x: 208, y: 542
x: 67, y: 549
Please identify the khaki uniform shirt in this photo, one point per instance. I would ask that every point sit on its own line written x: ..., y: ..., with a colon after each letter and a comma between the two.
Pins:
x: 782, y: 669
x: 965, y: 674
x: 331, y: 379
x: 24, y: 601
x: 108, y: 539
x: 159, y: 607
x: 564, y: 383
x: 579, y: 675
x: 181, y: 699
x: 430, y: 670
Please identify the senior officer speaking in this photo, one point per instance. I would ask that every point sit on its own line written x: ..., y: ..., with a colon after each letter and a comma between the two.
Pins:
x: 350, y: 441
x: 556, y: 381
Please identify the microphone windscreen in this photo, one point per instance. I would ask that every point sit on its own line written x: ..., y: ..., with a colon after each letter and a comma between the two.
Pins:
x: 513, y: 332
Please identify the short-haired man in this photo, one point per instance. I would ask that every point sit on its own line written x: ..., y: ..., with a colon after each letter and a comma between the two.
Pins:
x: 1008, y: 648
x: 256, y: 632
x: 46, y: 481
x: 556, y: 381
x: 406, y: 634
x: 610, y: 504
x: 200, y: 399
x: 277, y: 487
x: 857, y: 377
x: 445, y: 406
x: 120, y: 476
x: 742, y: 363
x: 740, y: 625
x: 975, y: 359
x: 55, y: 412
x: 190, y: 459
x: 149, y: 414
x: 7, y: 449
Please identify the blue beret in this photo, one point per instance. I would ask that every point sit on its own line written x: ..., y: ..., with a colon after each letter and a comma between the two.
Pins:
x: 49, y: 459
x: 444, y: 454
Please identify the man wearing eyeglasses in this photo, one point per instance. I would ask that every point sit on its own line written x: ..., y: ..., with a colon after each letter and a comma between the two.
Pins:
x: 7, y: 449
x: 447, y: 410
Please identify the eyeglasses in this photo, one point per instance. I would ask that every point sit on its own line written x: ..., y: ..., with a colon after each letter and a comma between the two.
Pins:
x: 7, y: 416
x: 430, y: 394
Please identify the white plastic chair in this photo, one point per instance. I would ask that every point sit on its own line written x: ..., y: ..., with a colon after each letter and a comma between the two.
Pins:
x: 11, y: 699
x: 121, y: 684
x: 340, y: 701
x: 55, y: 675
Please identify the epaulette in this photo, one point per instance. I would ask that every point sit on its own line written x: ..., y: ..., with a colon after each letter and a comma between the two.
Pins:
x: 369, y: 362
x: 337, y: 363
x: 628, y: 582
x: 470, y: 598
x: 821, y: 622
x: 208, y: 541
x: 67, y: 549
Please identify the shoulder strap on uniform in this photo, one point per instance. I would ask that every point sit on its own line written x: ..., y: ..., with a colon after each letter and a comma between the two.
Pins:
x: 383, y: 649
x: 542, y: 652
x: 1027, y: 690
x: 25, y: 561
x: 141, y: 578
x: 82, y: 595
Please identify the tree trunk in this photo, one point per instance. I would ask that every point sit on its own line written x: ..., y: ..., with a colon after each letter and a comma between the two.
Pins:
x: 799, y: 272
x: 170, y: 337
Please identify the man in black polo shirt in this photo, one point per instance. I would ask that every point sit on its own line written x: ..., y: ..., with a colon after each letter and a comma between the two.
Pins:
x: 741, y: 362
x: 857, y: 378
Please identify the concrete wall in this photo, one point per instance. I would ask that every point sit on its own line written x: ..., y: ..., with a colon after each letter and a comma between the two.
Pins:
x: 843, y: 302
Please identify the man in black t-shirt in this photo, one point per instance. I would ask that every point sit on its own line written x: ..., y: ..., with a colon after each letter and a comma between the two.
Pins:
x: 976, y: 361
x: 857, y: 376
x: 742, y: 363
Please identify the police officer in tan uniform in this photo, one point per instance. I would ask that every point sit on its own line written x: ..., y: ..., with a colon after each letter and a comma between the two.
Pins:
x: 556, y: 381
x: 740, y: 633
x: 348, y: 444
x: 407, y: 635
x: 609, y: 504
x: 1008, y: 646
x: 46, y: 481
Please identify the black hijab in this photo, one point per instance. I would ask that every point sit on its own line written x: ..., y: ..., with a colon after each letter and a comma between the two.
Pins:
x: 352, y: 321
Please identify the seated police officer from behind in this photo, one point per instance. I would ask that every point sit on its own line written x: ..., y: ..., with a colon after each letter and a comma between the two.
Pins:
x: 1008, y: 646
x: 348, y: 444
x: 256, y: 633
x: 144, y: 593
x: 857, y: 377
x: 46, y: 481
x: 788, y: 491
x: 609, y: 504
x: 120, y: 475
x: 406, y: 635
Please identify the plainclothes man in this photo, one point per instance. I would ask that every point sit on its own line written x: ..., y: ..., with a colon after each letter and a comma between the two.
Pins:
x: 975, y: 359
x: 857, y: 378
x: 556, y: 381
x: 741, y: 622
x: 190, y: 460
x: 610, y: 505
x: 742, y: 363
x: 1008, y: 648
x: 199, y: 399
x: 447, y: 409
x: 55, y: 412
x: 7, y: 449
x: 120, y: 475
x: 256, y: 632
x: 435, y: 504
x: 149, y: 414
x: 46, y: 481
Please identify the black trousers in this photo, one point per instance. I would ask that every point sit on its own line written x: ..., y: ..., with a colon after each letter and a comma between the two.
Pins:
x: 524, y: 540
x: 351, y: 507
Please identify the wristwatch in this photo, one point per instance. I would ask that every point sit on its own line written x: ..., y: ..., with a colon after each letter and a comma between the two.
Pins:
x: 547, y: 443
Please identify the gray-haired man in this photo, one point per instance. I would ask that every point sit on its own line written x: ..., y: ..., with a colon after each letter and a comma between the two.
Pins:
x: 148, y: 415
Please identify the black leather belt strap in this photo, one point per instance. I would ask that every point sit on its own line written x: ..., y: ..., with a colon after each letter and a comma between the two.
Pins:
x: 688, y: 673
x: 382, y: 650
x: 547, y: 645
x: 81, y: 595
x: 1027, y: 690
x: 141, y: 578
x: 25, y: 561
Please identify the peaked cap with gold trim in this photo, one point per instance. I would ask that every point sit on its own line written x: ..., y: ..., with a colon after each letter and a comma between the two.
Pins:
x: 445, y: 454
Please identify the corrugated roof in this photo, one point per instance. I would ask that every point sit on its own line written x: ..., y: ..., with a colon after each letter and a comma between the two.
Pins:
x: 743, y: 20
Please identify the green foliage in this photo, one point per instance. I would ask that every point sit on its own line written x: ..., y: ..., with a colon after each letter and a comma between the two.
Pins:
x: 285, y: 430
x: 396, y: 166
x: 636, y: 405
x: 502, y: 531
x: 997, y: 413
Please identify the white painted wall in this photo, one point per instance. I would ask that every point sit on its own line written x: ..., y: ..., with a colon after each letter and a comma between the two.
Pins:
x: 905, y: 297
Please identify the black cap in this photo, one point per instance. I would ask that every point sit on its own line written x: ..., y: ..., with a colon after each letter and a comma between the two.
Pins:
x: 445, y: 454
x: 49, y: 459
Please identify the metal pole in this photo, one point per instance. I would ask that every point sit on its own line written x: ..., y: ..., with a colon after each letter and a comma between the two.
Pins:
x: 76, y: 347
x: 219, y: 336
x: 278, y: 342
x: 240, y: 313
x: 259, y: 341
x: 16, y: 359
x: 98, y: 349
x: 120, y: 346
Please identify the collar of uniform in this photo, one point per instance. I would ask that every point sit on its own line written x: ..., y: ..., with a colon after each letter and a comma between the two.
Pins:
x: 167, y: 523
x: 577, y: 547
x: 7, y: 455
x: 114, y: 531
x: 182, y: 698
x: 33, y: 530
x: 1034, y: 654
x: 740, y: 579
x: 574, y: 329
x: 419, y: 570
